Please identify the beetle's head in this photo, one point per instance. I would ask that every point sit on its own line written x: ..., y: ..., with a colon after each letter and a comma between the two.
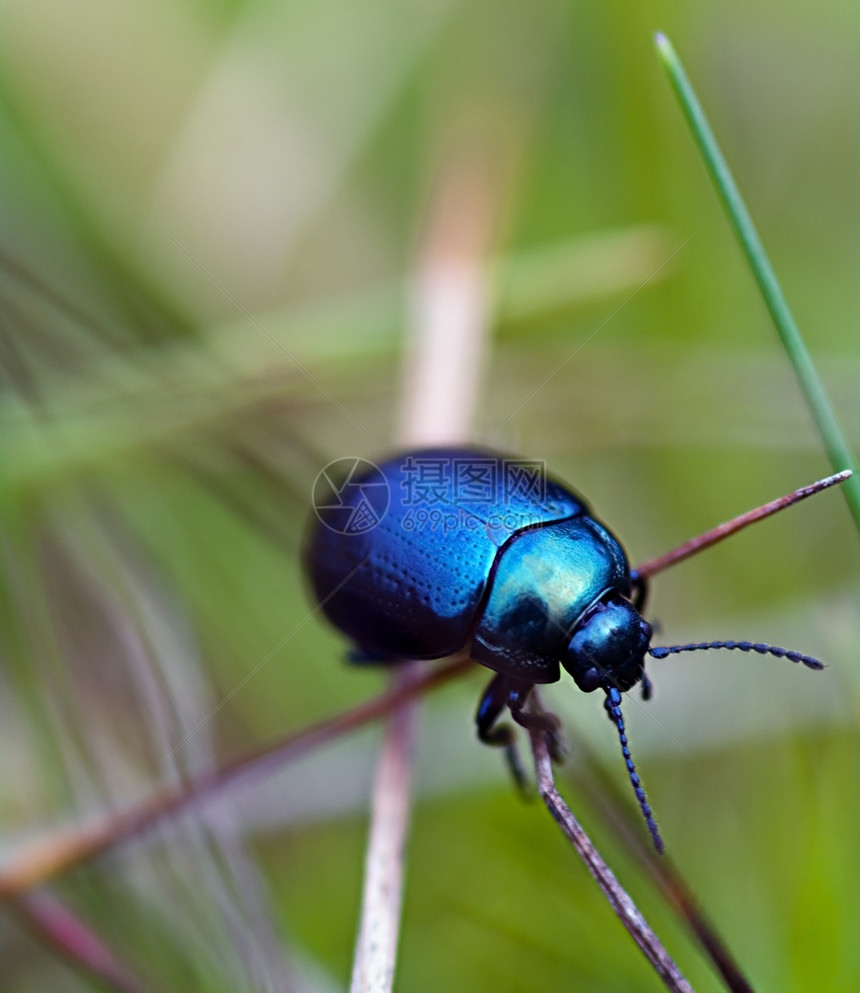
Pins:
x: 609, y: 645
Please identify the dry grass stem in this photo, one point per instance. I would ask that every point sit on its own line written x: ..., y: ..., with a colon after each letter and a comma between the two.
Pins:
x: 438, y: 398
x: 49, y: 920
x: 721, y: 531
x: 618, y: 899
x: 61, y: 851
x: 376, y: 945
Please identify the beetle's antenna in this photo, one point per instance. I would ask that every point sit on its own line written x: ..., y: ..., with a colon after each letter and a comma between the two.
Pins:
x: 741, y: 646
x: 613, y: 709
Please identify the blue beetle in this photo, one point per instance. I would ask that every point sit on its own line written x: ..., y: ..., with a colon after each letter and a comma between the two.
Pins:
x: 445, y: 549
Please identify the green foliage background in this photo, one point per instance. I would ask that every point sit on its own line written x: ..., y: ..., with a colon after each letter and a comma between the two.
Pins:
x: 209, y: 219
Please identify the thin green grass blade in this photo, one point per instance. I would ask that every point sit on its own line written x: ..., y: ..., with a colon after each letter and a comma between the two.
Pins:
x: 816, y: 396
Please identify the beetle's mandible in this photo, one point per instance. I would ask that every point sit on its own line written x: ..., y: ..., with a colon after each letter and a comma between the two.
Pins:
x: 484, y: 552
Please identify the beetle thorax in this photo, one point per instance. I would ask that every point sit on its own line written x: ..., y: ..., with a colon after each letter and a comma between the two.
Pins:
x: 545, y: 580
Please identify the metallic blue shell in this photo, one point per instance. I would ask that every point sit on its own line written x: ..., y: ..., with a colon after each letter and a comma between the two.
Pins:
x: 413, y: 585
x: 544, y: 581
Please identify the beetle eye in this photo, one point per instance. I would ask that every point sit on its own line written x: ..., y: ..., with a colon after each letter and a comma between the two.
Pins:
x: 590, y: 680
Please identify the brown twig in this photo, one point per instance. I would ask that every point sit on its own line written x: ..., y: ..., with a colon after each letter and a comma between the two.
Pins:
x: 63, y: 850
x: 618, y: 899
x: 60, y: 929
x: 604, y: 797
x: 721, y: 531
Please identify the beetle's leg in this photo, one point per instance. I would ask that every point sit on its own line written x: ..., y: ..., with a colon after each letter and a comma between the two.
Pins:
x: 541, y: 721
x: 492, y: 703
x: 647, y: 688
x: 640, y: 591
x: 639, y: 598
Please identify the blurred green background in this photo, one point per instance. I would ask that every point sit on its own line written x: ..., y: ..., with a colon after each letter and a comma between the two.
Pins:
x: 212, y: 214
